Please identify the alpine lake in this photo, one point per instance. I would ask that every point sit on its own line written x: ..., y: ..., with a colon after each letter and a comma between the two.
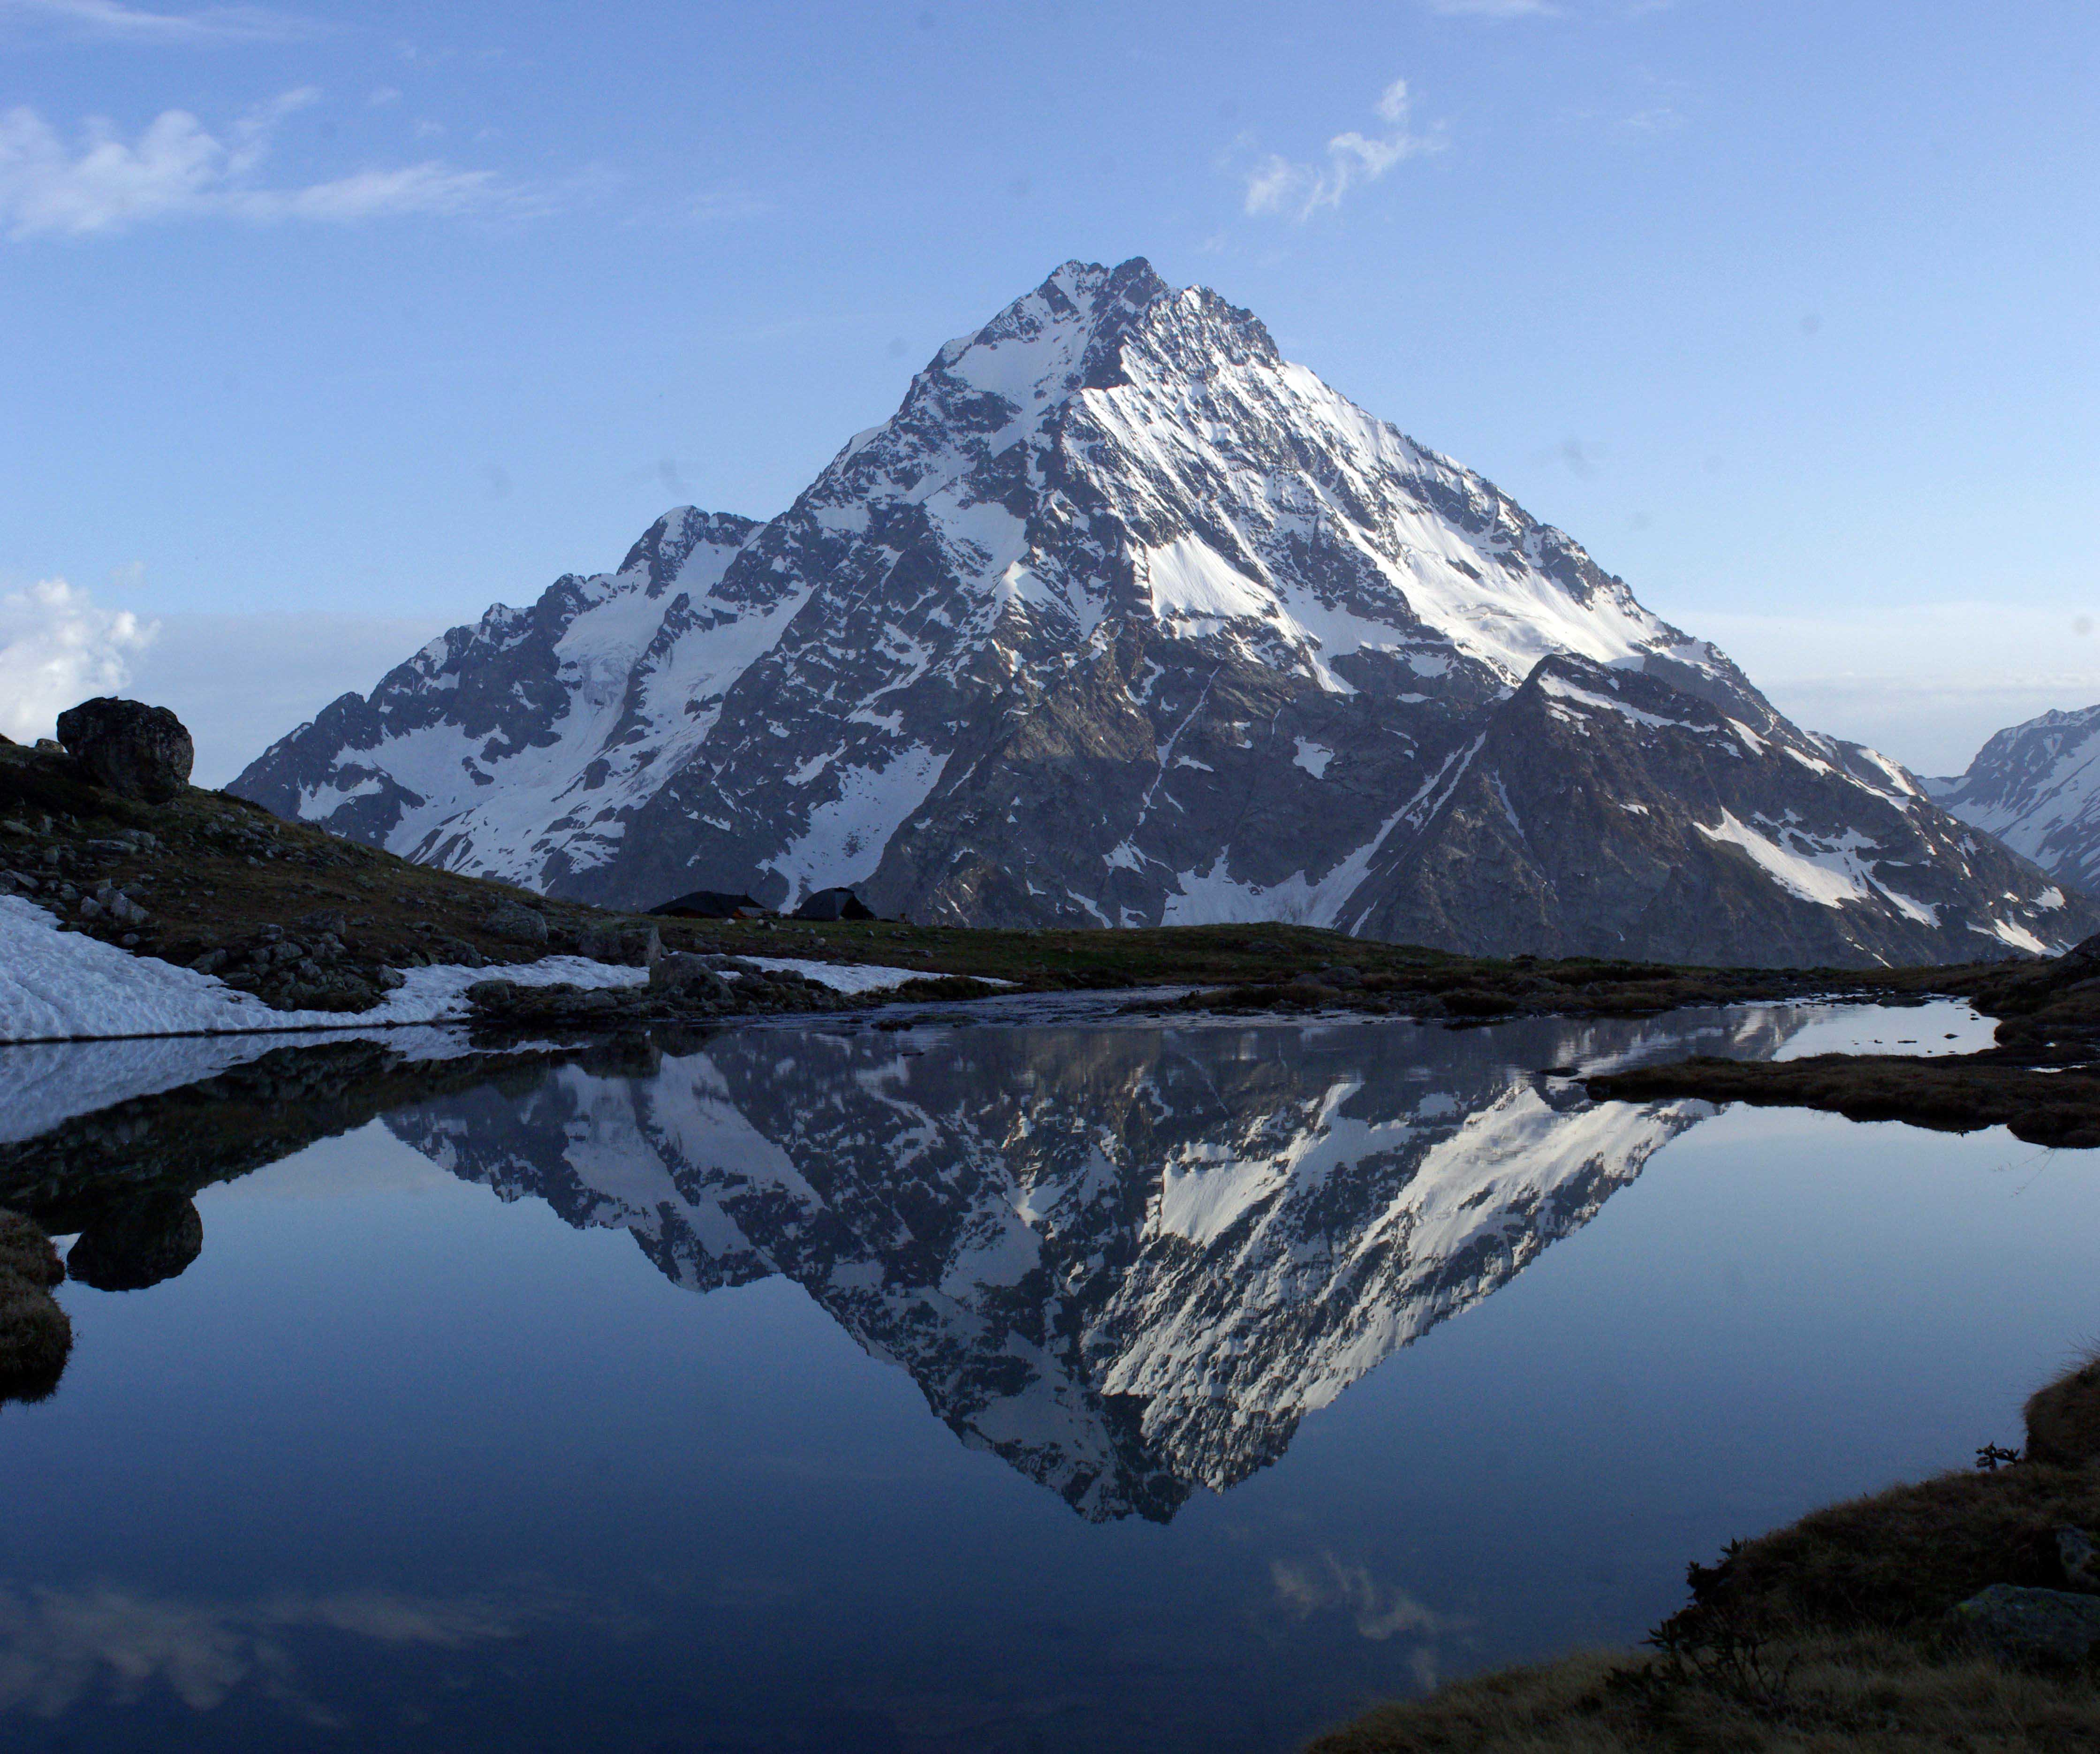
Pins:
x: 1026, y: 1377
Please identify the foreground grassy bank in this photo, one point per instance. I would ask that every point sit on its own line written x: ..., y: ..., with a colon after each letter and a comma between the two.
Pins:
x: 1840, y: 1632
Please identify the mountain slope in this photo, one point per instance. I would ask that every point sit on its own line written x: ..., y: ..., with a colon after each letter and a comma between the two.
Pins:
x: 2036, y: 787
x: 1121, y: 619
x: 1602, y: 804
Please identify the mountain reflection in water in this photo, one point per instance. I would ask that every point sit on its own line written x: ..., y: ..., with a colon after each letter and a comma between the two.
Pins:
x: 442, y: 1470
x: 1127, y: 1261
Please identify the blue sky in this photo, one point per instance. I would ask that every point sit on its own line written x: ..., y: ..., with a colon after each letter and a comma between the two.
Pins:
x: 327, y: 326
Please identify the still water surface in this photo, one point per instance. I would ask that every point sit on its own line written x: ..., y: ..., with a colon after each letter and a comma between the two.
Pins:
x: 1071, y: 1388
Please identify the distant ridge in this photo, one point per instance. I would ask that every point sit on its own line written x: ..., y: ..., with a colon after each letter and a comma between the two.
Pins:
x: 2036, y: 787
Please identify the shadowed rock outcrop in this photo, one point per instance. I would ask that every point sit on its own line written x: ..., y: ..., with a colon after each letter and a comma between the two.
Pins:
x: 138, y: 751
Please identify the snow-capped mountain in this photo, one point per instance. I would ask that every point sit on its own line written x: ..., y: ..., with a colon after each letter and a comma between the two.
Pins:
x: 1126, y: 1261
x: 2036, y: 787
x: 1122, y: 618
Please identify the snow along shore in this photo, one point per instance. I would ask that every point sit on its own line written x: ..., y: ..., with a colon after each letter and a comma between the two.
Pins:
x: 67, y: 987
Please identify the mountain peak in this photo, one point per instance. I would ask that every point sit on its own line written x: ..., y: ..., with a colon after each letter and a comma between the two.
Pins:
x: 1121, y: 618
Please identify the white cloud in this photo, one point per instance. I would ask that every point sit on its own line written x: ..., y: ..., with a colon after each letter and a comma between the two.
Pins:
x: 112, y: 21
x: 58, y: 647
x: 1278, y: 185
x: 177, y: 168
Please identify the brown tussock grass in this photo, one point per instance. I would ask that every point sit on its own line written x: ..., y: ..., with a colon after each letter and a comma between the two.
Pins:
x: 1845, y: 1693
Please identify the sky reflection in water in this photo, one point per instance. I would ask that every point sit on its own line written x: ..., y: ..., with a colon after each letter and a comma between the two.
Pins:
x: 1272, y: 1369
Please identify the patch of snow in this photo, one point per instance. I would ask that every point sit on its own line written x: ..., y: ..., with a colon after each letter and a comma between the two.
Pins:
x: 1562, y: 690
x: 843, y: 841
x: 1830, y: 876
x: 58, y: 985
x: 1190, y: 580
x: 2018, y: 936
x: 1313, y: 757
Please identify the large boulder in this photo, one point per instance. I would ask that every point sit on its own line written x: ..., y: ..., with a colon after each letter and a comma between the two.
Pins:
x: 137, y: 751
x: 515, y: 923
x: 688, y: 977
x: 629, y: 945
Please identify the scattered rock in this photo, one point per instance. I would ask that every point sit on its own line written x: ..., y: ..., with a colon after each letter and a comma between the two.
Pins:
x: 1341, y: 975
x: 2080, y: 1559
x: 689, y: 977
x: 2063, y: 1420
x: 2027, y: 1625
x: 632, y: 946
x: 137, y: 751
x: 517, y: 924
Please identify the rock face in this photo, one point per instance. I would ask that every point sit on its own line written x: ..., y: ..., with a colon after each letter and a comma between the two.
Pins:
x: 2036, y: 787
x: 1127, y: 1262
x: 1123, y: 619
x: 137, y: 751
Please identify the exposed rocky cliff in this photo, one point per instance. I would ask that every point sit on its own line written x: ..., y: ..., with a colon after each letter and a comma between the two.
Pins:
x: 1123, y: 619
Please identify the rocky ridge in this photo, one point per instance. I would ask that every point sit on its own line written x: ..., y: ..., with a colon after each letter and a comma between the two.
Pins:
x: 2036, y: 787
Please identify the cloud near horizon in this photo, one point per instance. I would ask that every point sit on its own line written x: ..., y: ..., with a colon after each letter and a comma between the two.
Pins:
x: 1278, y: 185
x: 58, y: 647
x: 178, y: 169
